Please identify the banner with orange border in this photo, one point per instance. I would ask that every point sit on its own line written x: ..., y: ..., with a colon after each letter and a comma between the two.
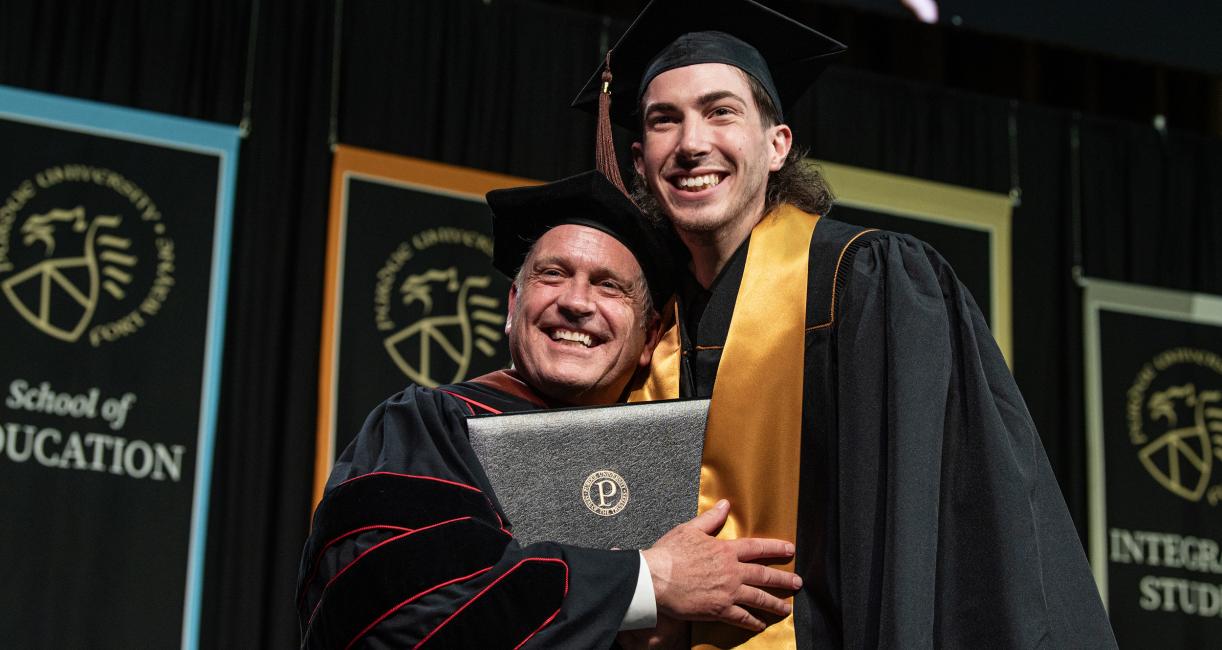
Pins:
x: 410, y: 292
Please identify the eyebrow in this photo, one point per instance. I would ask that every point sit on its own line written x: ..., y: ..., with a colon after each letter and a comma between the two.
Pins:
x: 539, y: 261
x: 703, y: 100
x: 660, y: 107
x: 718, y: 95
x: 559, y: 260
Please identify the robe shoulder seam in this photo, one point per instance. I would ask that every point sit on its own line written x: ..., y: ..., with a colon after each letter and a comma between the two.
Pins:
x: 831, y: 316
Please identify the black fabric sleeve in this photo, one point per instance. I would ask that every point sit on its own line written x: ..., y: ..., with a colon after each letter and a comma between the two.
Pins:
x: 953, y: 531
x: 409, y: 545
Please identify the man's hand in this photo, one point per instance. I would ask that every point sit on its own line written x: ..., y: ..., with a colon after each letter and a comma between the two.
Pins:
x: 697, y: 577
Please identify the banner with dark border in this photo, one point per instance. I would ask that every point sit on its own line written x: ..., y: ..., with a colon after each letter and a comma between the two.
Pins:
x: 1154, y: 409
x: 411, y: 295
x: 114, y: 241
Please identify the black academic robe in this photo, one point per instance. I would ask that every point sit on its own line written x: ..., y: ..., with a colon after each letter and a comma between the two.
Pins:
x: 409, y: 544
x: 928, y: 512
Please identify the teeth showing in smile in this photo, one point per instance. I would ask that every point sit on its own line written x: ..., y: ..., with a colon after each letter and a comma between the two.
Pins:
x: 576, y: 337
x: 698, y: 183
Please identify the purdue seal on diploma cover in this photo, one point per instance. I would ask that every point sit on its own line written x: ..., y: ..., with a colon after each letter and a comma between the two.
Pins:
x: 605, y: 493
x: 637, y: 467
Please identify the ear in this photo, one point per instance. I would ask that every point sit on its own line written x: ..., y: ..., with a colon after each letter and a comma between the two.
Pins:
x: 781, y: 139
x: 653, y: 334
x: 638, y: 158
x: 513, y: 296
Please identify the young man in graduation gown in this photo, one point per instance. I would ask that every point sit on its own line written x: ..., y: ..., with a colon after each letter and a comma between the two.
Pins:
x: 409, y: 545
x: 859, y: 403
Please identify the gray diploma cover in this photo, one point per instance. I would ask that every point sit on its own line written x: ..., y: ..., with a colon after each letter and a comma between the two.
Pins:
x: 602, y: 477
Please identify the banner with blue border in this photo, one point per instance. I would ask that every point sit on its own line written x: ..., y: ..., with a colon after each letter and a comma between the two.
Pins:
x: 114, y: 255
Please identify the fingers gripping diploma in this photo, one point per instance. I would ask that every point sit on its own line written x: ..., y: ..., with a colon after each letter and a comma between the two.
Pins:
x: 697, y: 577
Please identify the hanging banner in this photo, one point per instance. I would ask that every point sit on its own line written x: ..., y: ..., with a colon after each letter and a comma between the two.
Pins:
x: 1154, y: 415
x: 114, y: 240
x: 970, y: 228
x: 411, y: 295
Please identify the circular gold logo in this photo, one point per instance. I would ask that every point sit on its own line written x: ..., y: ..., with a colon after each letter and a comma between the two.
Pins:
x: 439, y: 322
x: 605, y: 493
x: 1175, y: 422
x: 84, y: 254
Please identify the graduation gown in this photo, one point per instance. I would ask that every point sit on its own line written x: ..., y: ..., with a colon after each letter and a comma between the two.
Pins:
x: 409, y: 544
x: 928, y: 514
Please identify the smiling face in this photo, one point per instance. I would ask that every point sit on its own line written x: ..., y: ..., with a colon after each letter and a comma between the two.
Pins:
x: 577, y: 328
x: 705, y: 153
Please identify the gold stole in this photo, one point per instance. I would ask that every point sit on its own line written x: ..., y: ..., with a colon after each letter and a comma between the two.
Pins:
x: 754, y: 433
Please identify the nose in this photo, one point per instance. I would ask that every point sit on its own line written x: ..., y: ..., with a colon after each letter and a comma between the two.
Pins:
x: 694, y: 141
x: 576, y: 301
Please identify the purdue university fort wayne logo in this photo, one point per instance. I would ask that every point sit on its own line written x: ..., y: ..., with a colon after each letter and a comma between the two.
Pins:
x: 605, y: 493
x: 1174, y: 412
x: 84, y: 254
x: 436, y: 315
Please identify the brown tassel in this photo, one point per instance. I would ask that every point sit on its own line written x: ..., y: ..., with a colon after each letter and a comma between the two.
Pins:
x: 604, y: 143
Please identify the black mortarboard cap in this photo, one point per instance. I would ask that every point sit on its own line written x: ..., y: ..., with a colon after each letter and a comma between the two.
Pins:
x: 784, y: 55
x: 522, y: 214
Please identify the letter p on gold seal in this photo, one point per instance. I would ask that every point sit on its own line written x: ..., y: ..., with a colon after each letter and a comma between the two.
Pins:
x: 605, y: 493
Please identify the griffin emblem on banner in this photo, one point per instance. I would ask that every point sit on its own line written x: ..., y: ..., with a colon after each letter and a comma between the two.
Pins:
x: 59, y: 295
x: 1175, y: 421
x: 454, y: 335
x: 435, y: 306
x: 74, y: 271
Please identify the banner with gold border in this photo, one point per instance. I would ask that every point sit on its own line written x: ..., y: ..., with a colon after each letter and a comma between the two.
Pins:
x: 1154, y: 438
x: 114, y: 245
x: 411, y: 295
x: 969, y: 227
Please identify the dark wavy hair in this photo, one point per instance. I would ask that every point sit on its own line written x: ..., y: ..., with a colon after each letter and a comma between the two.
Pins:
x: 798, y: 181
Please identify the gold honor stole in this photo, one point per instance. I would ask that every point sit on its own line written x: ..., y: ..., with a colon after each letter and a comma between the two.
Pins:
x: 754, y: 433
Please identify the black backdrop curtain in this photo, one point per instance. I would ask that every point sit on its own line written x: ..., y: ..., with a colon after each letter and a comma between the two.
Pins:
x: 486, y: 83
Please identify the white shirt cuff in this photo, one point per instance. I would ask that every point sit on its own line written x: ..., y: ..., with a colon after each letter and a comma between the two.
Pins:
x: 643, y: 610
